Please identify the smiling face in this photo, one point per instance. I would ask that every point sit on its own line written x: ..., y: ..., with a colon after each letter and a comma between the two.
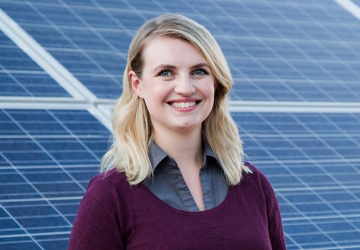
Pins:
x: 176, y: 84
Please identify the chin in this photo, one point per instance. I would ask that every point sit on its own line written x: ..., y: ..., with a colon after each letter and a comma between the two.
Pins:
x: 188, y: 125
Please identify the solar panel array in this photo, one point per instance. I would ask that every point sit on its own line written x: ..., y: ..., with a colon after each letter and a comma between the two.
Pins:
x: 278, y: 51
x: 21, y: 76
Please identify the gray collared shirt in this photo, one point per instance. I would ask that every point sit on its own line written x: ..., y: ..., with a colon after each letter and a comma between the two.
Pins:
x: 168, y: 184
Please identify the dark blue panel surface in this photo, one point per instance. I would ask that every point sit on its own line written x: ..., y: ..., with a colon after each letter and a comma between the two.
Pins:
x: 307, y: 41
x: 21, y: 76
x: 47, y: 159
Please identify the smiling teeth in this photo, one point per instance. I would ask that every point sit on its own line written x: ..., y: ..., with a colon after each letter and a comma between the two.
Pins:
x: 183, y: 104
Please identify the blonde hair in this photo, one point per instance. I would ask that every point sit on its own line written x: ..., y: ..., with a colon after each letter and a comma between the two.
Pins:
x: 131, y: 123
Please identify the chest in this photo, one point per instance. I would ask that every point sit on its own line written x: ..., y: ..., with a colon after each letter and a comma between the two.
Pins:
x: 234, y: 224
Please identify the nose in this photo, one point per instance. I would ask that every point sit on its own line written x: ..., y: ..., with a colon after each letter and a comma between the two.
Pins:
x: 185, y: 86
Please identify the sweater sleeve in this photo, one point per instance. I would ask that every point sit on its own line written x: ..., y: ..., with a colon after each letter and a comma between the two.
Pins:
x: 97, y: 224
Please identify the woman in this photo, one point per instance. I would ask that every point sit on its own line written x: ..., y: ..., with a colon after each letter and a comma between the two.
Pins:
x: 175, y: 176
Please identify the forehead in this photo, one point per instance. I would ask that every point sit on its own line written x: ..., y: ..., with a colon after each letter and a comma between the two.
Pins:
x: 171, y: 50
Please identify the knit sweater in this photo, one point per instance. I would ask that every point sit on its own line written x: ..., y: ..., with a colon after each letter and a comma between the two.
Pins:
x: 116, y: 215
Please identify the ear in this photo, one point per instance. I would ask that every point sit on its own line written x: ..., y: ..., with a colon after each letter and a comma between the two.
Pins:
x: 135, y: 83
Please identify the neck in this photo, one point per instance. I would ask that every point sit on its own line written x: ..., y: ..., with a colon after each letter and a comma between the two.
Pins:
x: 185, y: 149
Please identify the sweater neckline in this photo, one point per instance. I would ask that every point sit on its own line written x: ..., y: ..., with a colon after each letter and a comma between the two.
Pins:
x: 162, y: 204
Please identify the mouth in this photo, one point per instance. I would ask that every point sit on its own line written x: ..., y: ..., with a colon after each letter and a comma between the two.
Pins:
x: 184, y: 104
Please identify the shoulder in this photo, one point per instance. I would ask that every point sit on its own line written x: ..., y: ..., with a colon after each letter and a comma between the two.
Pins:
x: 100, y: 212
x: 255, y: 173
x: 256, y: 180
x: 110, y: 178
x: 107, y: 187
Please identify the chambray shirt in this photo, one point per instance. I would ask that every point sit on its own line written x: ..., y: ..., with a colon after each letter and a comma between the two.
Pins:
x: 168, y: 184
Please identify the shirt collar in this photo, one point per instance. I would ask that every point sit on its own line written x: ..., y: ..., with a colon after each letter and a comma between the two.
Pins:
x: 157, y: 155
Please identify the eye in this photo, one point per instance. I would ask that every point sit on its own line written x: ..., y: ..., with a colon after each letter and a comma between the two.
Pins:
x: 200, y: 72
x: 165, y: 73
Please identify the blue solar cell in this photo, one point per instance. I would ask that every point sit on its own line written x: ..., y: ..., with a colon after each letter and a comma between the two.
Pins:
x: 113, y: 64
x: 287, y: 29
x: 9, y: 128
x: 345, y: 236
x: 130, y: 19
x: 312, y: 70
x: 316, y: 31
x: 244, y: 89
x: 18, y: 191
x: 29, y: 158
x: 289, y: 10
x: 96, y: 19
x: 259, y: 29
x: 31, y: 210
x: 344, y: 31
x: 22, y: 243
x: 15, y: 59
x: 317, y: 13
x: 117, y: 38
x: 103, y: 86
x: 313, y: 50
x: 10, y: 178
x: 305, y: 228
x: 255, y: 48
x: 40, y: 222
x: 49, y: 37
x: 340, y: 71
x: 282, y: 70
x: 58, y: 14
x: 234, y: 8
x: 61, y: 243
x: 256, y: 128
x: 263, y: 10
x: 22, y: 13
x: 85, y: 39
x: 147, y: 7
x: 77, y: 62
x: 177, y: 7
x: 9, y: 224
x: 303, y: 198
x: 230, y: 26
x: 251, y: 68
x: 322, y: 240
x: 341, y: 51
x: 202, y: 6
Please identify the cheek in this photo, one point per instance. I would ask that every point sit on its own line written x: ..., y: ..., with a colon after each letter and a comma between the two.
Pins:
x: 209, y: 91
x: 153, y: 97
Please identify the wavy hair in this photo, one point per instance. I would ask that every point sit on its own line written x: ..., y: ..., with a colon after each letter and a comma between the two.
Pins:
x: 131, y: 123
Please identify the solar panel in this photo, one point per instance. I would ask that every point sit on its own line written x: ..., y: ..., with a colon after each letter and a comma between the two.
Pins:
x: 299, y: 51
x: 308, y: 41
x: 47, y: 158
x: 21, y: 76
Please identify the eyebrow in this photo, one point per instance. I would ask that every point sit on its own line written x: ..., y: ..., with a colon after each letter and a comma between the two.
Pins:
x: 169, y: 66
x: 164, y: 66
x: 200, y: 65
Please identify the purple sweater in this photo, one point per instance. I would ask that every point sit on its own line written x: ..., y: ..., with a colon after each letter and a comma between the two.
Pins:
x: 115, y: 215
